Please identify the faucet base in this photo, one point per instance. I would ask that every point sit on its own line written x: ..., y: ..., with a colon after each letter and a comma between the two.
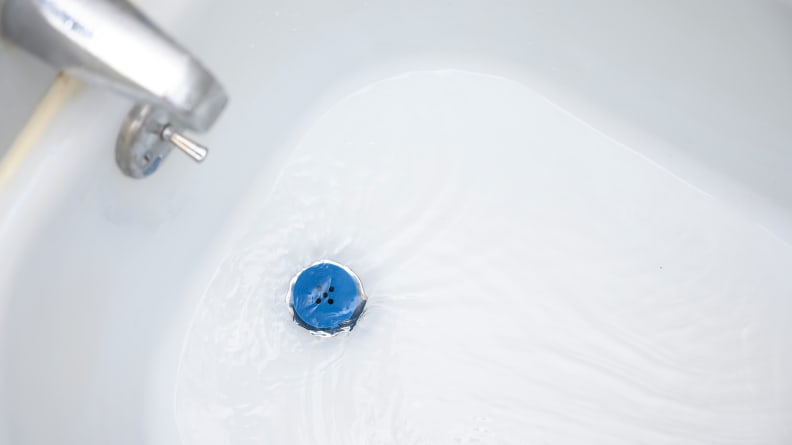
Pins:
x: 140, y: 148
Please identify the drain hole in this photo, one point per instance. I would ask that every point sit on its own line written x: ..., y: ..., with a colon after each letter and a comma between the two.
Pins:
x: 331, y: 283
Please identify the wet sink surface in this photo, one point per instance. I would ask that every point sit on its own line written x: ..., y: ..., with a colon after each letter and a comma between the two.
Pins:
x: 530, y: 281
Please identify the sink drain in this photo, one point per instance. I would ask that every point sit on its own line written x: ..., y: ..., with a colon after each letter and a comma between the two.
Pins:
x: 326, y: 298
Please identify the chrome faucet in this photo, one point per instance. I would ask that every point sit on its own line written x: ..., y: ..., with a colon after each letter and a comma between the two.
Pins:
x: 109, y: 43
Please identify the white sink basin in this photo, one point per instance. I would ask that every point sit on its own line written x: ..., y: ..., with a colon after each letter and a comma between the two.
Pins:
x: 570, y: 228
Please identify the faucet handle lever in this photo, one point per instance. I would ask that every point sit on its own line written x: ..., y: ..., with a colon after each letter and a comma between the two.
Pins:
x: 146, y: 137
x: 191, y: 148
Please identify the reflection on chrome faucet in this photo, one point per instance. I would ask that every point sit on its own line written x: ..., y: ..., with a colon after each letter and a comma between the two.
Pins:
x: 110, y: 43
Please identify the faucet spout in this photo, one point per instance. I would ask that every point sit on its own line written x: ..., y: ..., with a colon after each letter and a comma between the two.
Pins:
x: 110, y: 43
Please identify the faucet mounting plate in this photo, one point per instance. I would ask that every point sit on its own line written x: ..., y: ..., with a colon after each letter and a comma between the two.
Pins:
x: 140, y: 148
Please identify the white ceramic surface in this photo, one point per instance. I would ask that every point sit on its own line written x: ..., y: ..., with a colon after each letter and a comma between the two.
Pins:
x: 23, y: 80
x: 573, y: 223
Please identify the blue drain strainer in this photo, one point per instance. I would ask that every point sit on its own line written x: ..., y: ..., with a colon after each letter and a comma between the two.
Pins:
x: 326, y: 298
